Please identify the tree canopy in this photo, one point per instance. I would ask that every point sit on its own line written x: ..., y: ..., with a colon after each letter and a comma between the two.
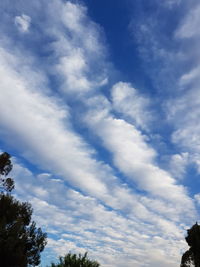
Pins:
x: 192, y: 256
x: 6, y: 184
x: 73, y: 260
x: 20, y: 241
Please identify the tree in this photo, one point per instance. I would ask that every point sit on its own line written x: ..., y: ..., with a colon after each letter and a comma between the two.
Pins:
x: 72, y: 260
x: 6, y: 184
x: 20, y: 241
x: 192, y: 256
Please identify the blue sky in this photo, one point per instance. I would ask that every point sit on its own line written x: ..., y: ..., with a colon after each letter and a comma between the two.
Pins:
x: 100, y: 111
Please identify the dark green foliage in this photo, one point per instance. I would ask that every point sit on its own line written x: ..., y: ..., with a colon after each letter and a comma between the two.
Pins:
x: 5, y: 164
x: 6, y: 184
x: 192, y: 256
x: 72, y: 260
x: 20, y: 241
x: 187, y: 259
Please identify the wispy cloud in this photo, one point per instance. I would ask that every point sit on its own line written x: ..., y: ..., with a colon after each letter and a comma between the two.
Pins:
x: 178, y: 164
x: 189, y: 26
x: 175, y: 72
x: 78, y: 50
x: 23, y: 22
x: 130, y: 103
x: 186, y: 127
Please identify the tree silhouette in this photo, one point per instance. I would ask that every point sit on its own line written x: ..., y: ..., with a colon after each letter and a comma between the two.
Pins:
x: 72, y: 260
x: 20, y: 241
x: 192, y: 256
x: 6, y: 184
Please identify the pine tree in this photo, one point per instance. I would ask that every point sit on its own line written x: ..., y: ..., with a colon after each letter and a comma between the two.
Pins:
x: 20, y: 241
x: 73, y: 260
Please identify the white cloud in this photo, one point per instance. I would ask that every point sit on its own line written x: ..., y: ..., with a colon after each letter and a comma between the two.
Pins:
x: 59, y: 150
x: 129, y: 102
x: 180, y: 81
x: 78, y: 50
x: 28, y: 117
x: 190, y: 24
x: 23, y: 23
x: 133, y: 156
x: 80, y: 223
x: 74, y: 68
x: 190, y: 78
x: 178, y: 164
x: 183, y: 111
x: 186, y: 133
